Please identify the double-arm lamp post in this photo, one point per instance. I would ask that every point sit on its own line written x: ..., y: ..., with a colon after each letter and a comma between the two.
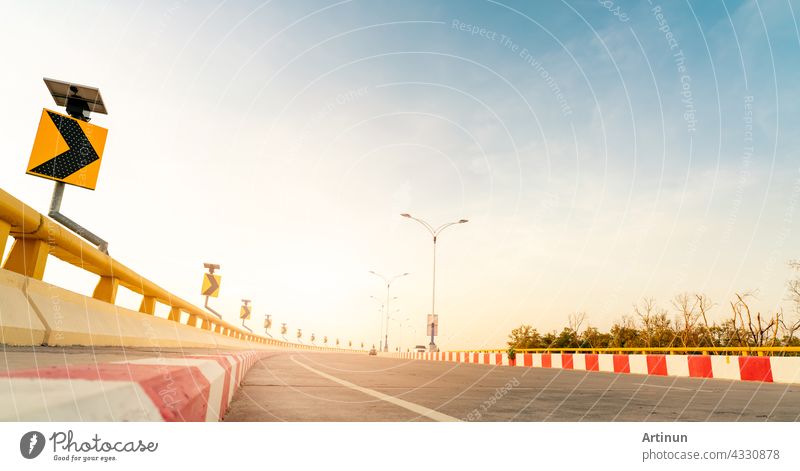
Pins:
x: 388, y: 282
x: 434, y: 234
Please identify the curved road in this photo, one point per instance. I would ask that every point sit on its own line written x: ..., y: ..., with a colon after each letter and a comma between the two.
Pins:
x: 291, y: 386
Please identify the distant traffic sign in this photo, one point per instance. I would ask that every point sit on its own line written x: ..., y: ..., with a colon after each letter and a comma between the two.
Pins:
x: 67, y: 150
x: 211, y: 284
x: 244, y: 312
x: 433, y: 324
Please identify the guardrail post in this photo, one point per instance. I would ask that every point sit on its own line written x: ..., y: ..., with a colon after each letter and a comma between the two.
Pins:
x: 106, y: 289
x: 192, y: 321
x: 206, y: 325
x: 148, y: 305
x: 174, y: 314
x: 5, y: 229
x: 28, y: 257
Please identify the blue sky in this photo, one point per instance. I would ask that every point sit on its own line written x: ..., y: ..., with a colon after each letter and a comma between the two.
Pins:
x: 282, y: 139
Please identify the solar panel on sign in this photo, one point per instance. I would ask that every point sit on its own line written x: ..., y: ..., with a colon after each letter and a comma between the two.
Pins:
x: 65, y: 91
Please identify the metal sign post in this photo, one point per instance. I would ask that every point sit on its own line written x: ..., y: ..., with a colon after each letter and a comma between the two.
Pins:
x: 211, y: 284
x: 433, y: 330
x: 244, y: 313
x: 68, y: 149
x: 268, y: 324
x: 55, y: 213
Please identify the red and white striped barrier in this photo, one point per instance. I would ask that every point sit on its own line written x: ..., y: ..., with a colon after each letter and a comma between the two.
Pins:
x: 768, y: 369
x: 187, y: 388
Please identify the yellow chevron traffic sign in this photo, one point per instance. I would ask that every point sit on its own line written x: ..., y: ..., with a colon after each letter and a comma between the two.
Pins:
x: 211, y: 284
x: 244, y: 312
x: 67, y: 150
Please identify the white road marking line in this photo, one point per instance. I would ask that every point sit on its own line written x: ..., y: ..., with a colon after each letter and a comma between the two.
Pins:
x: 670, y: 387
x: 416, y: 408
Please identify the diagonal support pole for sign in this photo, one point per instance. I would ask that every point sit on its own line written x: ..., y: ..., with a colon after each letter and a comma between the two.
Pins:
x: 268, y: 324
x: 55, y: 213
x: 211, y: 267
x: 78, y: 108
x: 211, y: 310
x: 245, y: 313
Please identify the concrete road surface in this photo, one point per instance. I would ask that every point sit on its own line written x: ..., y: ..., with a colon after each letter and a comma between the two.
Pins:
x: 290, y: 386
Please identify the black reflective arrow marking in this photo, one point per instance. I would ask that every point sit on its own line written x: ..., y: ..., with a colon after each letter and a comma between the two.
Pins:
x: 79, y: 155
x: 213, y: 285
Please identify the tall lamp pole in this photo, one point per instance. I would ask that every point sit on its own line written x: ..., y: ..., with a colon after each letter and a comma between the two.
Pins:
x: 400, y: 321
x: 388, y: 282
x: 380, y: 322
x: 434, y: 234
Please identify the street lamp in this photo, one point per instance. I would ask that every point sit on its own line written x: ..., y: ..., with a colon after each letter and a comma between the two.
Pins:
x: 401, y: 321
x: 380, y: 321
x: 414, y: 330
x: 435, y: 234
x: 388, y: 282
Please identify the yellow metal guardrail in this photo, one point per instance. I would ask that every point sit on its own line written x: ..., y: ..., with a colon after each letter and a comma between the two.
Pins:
x: 742, y: 351
x: 36, y: 236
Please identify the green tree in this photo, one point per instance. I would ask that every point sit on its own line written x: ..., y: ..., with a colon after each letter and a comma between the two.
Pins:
x: 593, y: 338
x: 524, y: 336
x: 568, y: 338
x: 625, y: 334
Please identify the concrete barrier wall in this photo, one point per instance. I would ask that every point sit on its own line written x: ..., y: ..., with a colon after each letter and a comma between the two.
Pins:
x: 771, y: 369
x: 33, y: 312
x: 74, y: 319
x: 19, y: 324
x: 192, y: 388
